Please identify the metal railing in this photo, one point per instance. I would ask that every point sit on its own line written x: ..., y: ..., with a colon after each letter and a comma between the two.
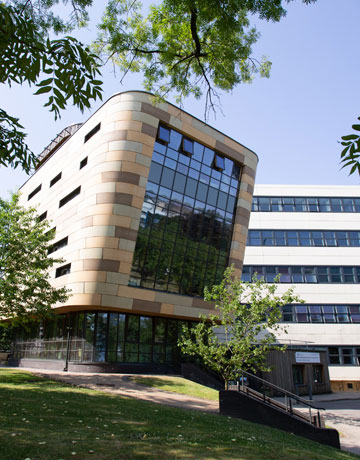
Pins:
x: 263, y: 387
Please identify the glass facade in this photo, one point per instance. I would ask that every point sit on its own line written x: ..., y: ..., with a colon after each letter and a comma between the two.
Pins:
x: 308, y: 274
x: 304, y: 204
x: 344, y: 356
x: 187, y: 217
x: 321, y: 313
x: 316, y: 238
x: 105, y: 337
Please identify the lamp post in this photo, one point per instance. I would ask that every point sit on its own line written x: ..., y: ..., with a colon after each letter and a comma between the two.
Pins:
x: 68, y: 328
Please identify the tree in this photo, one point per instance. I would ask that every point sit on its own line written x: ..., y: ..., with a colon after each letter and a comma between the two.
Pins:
x: 181, y: 46
x: 241, y: 333
x: 25, y: 291
x: 351, y: 152
x: 187, y: 46
x: 27, y: 55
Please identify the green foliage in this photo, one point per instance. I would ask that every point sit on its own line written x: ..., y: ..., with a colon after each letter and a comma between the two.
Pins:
x: 27, y: 54
x: 239, y: 336
x: 7, y: 336
x: 351, y: 151
x: 186, y: 46
x: 25, y: 291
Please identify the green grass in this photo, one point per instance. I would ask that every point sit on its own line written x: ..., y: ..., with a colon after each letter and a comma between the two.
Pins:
x: 42, y: 419
x: 178, y: 385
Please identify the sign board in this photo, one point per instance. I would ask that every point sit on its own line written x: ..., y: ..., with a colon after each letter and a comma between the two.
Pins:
x: 307, y: 357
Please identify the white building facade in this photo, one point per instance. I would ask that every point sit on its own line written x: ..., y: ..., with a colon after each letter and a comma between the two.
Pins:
x: 310, y: 235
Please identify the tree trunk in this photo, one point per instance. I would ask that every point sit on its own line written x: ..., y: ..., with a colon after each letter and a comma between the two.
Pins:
x: 226, y: 385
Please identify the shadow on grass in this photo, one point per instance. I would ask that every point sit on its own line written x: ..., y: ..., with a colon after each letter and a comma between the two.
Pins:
x: 43, y: 419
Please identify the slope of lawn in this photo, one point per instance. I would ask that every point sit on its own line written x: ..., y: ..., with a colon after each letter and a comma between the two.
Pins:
x: 177, y: 385
x: 45, y: 420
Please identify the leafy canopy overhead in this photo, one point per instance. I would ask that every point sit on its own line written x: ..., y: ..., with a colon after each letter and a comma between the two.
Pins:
x: 350, y: 155
x: 239, y: 336
x: 182, y: 46
x: 63, y: 69
x: 25, y: 291
x: 187, y: 46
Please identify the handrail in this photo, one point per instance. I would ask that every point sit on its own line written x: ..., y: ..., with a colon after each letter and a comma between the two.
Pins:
x: 314, y: 420
x: 282, y: 390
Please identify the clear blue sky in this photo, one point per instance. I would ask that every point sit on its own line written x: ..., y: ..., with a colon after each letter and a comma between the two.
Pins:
x: 292, y: 120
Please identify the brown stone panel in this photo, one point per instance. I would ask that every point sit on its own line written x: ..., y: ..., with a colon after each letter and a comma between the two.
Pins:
x: 250, y: 189
x: 244, y: 221
x: 146, y: 305
x: 226, y: 150
x: 236, y: 262
x: 249, y: 171
x: 149, y: 130
x: 114, y: 198
x: 155, y: 112
x: 120, y: 176
x: 243, y: 212
x: 126, y: 233
x: 105, y: 265
x: 198, y: 302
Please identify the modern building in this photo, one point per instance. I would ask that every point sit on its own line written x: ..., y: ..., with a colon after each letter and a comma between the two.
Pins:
x: 310, y: 236
x: 148, y: 204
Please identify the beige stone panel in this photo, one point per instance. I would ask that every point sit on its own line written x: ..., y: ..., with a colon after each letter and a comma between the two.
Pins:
x: 135, y: 293
x: 235, y: 245
x: 87, y: 276
x: 135, y: 168
x: 207, y: 130
x: 198, y: 135
x: 145, y: 118
x: 127, y: 211
x: 178, y: 113
x: 122, y: 115
x: 237, y: 253
x: 247, y: 179
x: 189, y: 312
x: 148, y: 150
x: 143, y: 181
x: 135, y: 223
x: 137, y: 202
x: 114, y: 165
x: 167, y: 309
x: 91, y: 253
x: 117, y: 278
x: 174, y: 299
x: 88, y: 201
x: 100, y: 288
x: 127, y: 245
x: 105, y: 230
x: 125, y: 268
x: 112, y: 220
x: 241, y: 203
x: 104, y: 187
x: 131, y: 189
x: 123, y: 303
x: 136, y: 96
x: 237, y: 273
x: 143, y: 160
x: 75, y: 288
x: 130, y: 146
x: 101, y: 242
x: 128, y: 125
x: 121, y: 155
x: 251, y: 161
x: 108, y: 126
x: 125, y: 106
x: 97, y: 210
x: 84, y: 299
x: 76, y: 266
x: 117, y: 254
x: 176, y: 123
x: 141, y: 138
x: 246, y: 196
x: 236, y: 146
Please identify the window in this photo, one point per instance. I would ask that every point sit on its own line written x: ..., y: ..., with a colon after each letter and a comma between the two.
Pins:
x: 55, y: 179
x: 298, y: 374
x: 83, y: 162
x: 42, y: 216
x: 69, y: 197
x: 34, y: 192
x: 64, y: 270
x: 187, y: 217
x: 58, y: 245
x: 307, y: 204
x: 91, y: 133
x: 317, y: 373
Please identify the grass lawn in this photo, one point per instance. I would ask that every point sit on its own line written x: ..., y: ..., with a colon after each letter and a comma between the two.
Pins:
x: 42, y: 419
x: 178, y: 385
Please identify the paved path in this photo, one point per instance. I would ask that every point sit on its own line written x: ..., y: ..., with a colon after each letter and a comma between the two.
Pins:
x: 342, y: 409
